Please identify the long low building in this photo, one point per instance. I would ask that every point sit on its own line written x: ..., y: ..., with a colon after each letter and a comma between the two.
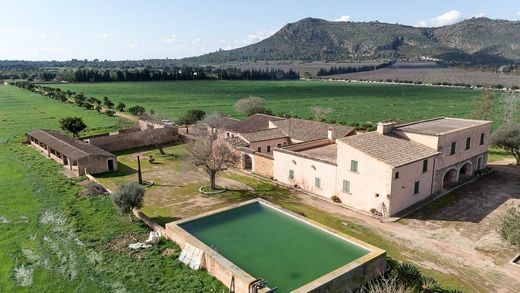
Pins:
x: 77, y: 156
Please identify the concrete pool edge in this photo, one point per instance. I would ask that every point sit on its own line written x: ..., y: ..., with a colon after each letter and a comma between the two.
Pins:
x: 350, y: 275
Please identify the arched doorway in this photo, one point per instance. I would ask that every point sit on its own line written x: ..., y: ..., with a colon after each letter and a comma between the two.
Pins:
x: 466, y: 170
x: 450, y: 178
x: 248, y: 163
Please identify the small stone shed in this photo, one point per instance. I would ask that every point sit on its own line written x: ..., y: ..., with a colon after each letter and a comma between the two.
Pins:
x: 74, y: 154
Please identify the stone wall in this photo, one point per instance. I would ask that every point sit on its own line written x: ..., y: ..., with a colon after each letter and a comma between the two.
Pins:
x: 126, y: 141
x: 263, y: 165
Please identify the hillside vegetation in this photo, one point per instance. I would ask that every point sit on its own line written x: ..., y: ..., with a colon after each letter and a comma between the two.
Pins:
x: 475, y: 41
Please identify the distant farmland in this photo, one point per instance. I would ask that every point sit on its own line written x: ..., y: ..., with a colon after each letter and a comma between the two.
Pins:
x: 429, y: 73
x: 351, y: 102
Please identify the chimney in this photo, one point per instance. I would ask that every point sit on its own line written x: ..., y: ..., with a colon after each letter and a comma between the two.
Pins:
x: 330, y: 134
x: 385, y: 127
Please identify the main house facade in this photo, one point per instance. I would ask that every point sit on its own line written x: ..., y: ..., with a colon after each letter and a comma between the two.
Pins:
x: 383, y: 172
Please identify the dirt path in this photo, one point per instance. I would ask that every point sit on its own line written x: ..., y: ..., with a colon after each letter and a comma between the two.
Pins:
x: 461, y: 241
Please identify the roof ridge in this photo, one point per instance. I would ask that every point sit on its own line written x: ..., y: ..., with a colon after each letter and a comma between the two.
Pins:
x: 67, y: 142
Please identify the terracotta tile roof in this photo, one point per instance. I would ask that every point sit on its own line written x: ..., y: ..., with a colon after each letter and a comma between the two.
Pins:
x: 439, y: 126
x: 253, y: 123
x: 390, y: 150
x: 307, y: 130
x: 237, y: 141
x: 71, y: 147
x: 260, y: 135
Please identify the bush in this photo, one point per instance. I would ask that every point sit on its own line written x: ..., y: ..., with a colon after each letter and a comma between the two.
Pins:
x: 110, y: 113
x: 407, y: 274
x: 94, y: 189
x: 128, y: 196
x: 384, y: 285
x: 509, y: 226
x: 136, y: 110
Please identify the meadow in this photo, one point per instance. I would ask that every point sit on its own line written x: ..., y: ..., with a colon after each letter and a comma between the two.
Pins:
x: 351, y: 102
x: 54, y: 241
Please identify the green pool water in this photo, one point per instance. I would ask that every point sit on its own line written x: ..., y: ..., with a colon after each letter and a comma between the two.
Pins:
x: 272, y: 245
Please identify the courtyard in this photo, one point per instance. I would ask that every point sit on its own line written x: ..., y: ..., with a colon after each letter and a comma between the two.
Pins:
x: 452, y: 239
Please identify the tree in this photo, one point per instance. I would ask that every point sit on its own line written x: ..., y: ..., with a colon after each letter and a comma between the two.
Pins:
x: 251, y: 106
x: 483, y: 108
x: 509, y: 226
x: 319, y: 112
x: 128, y: 196
x: 510, y: 107
x: 136, y: 110
x: 74, y: 125
x: 154, y: 136
x: 120, y: 107
x: 212, y: 154
x: 507, y: 137
x: 191, y: 117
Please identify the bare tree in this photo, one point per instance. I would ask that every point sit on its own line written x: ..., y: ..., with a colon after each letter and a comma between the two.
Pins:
x: 211, y: 124
x: 154, y: 123
x: 319, y: 112
x: 213, y: 155
x: 251, y: 106
x: 483, y: 108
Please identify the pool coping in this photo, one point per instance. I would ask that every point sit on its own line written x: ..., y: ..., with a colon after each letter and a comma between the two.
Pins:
x: 237, y: 272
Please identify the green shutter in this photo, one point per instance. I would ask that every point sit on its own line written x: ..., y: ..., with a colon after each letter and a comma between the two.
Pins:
x: 317, y: 182
x: 291, y: 174
x: 353, y: 166
x: 346, y: 186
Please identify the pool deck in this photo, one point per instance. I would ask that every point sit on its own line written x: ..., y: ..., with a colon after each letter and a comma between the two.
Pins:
x: 350, y: 276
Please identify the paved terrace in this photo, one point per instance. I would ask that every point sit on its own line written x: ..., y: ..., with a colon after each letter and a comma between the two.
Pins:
x: 328, y: 152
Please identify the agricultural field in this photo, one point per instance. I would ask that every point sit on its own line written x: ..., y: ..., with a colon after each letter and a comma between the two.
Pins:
x: 54, y: 241
x: 431, y: 74
x: 351, y: 102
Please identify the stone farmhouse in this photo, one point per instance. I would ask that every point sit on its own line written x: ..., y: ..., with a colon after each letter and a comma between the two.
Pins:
x: 75, y: 155
x: 257, y: 136
x: 383, y: 172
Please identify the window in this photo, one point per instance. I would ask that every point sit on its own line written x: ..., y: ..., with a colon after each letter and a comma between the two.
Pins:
x: 353, y: 166
x: 268, y: 148
x: 425, y: 166
x: 453, y: 148
x: 74, y: 163
x: 227, y: 134
x: 346, y: 186
x: 481, y: 138
x: 397, y: 175
x: 259, y: 149
x: 317, y: 182
x: 279, y: 145
x: 416, y: 188
x: 291, y: 174
x: 468, y: 143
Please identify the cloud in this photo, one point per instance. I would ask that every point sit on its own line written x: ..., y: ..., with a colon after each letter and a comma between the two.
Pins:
x: 103, y: 36
x: 343, y: 18
x: 7, y: 30
x: 171, y: 39
x: 450, y: 17
x: 518, y: 13
x: 41, y: 37
x: 133, y: 46
x: 257, y: 37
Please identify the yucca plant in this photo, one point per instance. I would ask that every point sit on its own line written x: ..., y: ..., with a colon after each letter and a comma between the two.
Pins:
x: 408, y: 275
x: 429, y: 285
x: 384, y: 285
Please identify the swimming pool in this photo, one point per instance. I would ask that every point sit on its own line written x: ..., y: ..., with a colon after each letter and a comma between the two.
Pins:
x: 282, y: 248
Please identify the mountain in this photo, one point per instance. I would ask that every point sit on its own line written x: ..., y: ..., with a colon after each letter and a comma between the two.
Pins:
x: 475, y: 41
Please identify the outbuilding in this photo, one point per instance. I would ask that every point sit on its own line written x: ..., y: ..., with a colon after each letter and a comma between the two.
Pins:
x: 74, y: 154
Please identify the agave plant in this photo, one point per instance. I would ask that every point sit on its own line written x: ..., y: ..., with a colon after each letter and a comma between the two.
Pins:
x: 429, y: 285
x: 408, y: 275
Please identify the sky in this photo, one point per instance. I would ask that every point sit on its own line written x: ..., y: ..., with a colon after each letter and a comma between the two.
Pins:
x: 131, y: 29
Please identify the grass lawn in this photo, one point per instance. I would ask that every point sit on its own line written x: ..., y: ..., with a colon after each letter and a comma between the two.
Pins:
x: 351, y: 102
x: 53, y: 241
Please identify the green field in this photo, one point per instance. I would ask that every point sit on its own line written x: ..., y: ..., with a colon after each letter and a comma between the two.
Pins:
x: 53, y: 241
x: 351, y: 102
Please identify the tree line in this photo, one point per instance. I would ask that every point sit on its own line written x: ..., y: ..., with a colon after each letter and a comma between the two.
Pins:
x: 351, y: 69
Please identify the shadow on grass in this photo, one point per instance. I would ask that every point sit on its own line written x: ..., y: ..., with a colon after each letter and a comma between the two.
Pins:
x: 122, y: 170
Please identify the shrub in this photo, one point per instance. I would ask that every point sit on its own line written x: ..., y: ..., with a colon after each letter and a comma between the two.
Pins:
x: 407, y: 274
x: 515, y: 87
x: 429, y: 285
x: 94, y: 189
x: 110, y: 113
x: 335, y: 199
x: 136, y: 110
x: 384, y: 285
x: 128, y: 196
x: 509, y: 226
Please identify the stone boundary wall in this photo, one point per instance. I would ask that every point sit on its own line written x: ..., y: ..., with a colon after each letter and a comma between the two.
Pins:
x: 263, y: 165
x: 126, y: 141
